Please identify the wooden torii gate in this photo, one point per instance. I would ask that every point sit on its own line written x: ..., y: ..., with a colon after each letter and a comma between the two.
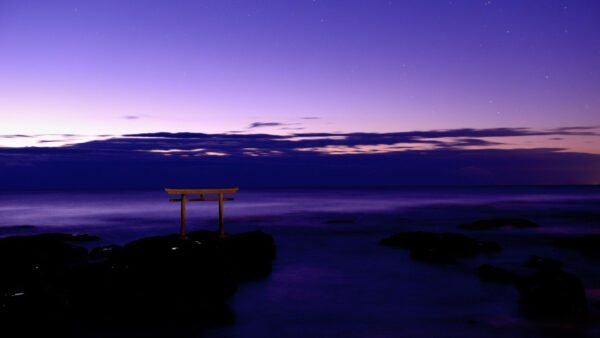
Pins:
x: 201, y: 192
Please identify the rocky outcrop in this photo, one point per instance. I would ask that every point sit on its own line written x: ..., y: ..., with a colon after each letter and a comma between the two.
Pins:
x: 47, y: 277
x: 250, y: 254
x: 499, y: 223
x: 105, y: 252
x: 551, y: 291
x: 439, y: 247
x: 340, y: 221
x: 548, y: 292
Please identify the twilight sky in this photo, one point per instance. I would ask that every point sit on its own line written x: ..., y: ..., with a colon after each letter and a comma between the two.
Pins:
x: 353, y: 77
x: 116, y: 67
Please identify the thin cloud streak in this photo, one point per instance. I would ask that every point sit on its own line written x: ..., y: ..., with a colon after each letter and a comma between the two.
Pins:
x: 264, y: 124
x: 563, y: 139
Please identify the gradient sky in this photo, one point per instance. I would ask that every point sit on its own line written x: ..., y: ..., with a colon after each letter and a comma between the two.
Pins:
x: 116, y: 67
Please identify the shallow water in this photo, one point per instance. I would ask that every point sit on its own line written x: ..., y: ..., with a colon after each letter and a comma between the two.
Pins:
x: 332, y: 279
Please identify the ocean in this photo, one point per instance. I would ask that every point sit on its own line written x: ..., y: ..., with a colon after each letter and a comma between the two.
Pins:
x: 330, y: 277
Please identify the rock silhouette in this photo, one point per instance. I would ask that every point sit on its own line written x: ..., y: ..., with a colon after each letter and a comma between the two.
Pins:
x: 48, y: 278
x: 551, y: 291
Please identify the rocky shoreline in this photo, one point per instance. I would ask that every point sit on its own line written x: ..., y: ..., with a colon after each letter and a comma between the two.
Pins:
x: 49, y: 279
x: 549, y: 291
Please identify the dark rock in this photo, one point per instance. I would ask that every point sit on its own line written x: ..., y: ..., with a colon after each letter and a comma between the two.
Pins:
x: 439, y: 247
x: 340, y: 221
x: 105, y: 252
x: 249, y: 253
x: 155, y: 278
x: 77, y: 237
x: 538, y: 262
x: 153, y: 274
x: 35, y: 273
x: 589, y: 244
x: 39, y: 253
x: 431, y: 254
x: 499, y: 223
x: 491, y: 273
x: 552, y: 292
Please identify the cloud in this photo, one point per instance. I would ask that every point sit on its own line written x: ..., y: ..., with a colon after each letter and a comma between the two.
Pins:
x: 472, y: 139
x: 264, y: 124
x: 46, y: 140
x: 310, y: 118
x: 130, y: 117
x: 16, y: 136
x: 569, y: 129
x: 455, y: 156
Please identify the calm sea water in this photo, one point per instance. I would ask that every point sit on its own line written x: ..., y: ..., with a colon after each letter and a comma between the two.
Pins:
x: 332, y: 279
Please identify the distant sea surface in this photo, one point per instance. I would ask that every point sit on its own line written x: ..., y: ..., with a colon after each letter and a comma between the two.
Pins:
x: 330, y: 277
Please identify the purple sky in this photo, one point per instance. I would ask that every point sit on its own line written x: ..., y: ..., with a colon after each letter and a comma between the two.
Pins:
x: 122, y: 67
